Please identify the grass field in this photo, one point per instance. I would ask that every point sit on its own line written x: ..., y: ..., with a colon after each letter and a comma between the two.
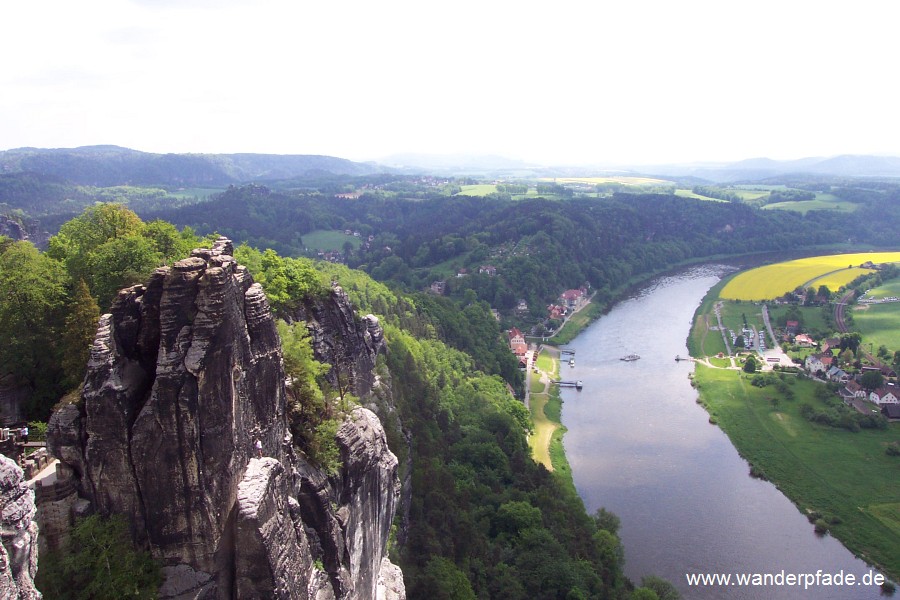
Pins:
x: 577, y: 323
x: 821, y: 202
x: 632, y: 181
x: 201, y: 193
x: 883, y: 291
x: 683, y: 193
x: 546, y: 442
x: 772, y: 281
x: 480, y: 189
x: 326, y: 240
x: 812, y: 317
x: 879, y: 325
x: 749, y: 195
x: 540, y: 440
x: 847, y: 477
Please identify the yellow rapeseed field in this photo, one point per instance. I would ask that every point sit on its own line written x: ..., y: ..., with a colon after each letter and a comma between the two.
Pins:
x: 772, y: 281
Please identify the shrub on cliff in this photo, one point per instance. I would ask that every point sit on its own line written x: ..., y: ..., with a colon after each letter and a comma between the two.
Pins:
x: 99, y: 563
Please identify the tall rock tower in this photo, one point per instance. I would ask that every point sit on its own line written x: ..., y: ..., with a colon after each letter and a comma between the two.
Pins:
x: 185, y: 376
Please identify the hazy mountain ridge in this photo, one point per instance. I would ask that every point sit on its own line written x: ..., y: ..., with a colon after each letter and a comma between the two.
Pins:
x: 114, y: 165
x: 756, y: 169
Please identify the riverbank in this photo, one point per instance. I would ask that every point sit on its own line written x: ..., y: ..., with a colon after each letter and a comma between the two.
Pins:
x: 844, y: 481
x: 546, y: 415
x: 597, y: 308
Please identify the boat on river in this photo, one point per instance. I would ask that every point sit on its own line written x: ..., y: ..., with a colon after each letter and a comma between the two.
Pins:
x: 630, y: 357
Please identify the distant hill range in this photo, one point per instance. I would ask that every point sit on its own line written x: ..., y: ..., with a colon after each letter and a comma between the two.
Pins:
x: 751, y: 170
x: 760, y: 169
x: 113, y: 165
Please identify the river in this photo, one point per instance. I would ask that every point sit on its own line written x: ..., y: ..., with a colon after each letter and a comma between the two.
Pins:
x: 640, y: 446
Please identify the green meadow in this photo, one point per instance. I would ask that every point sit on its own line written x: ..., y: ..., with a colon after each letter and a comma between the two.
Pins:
x: 479, y: 189
x: 846, y: 477
x: 328, y: 240
x: 879, y: 325
x: 821, y: 202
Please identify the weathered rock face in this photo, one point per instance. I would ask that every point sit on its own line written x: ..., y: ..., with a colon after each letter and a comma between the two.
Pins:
x: 185, y: 375
x: 18, y: 534
x: 340, y: 339
x: 25, y: 229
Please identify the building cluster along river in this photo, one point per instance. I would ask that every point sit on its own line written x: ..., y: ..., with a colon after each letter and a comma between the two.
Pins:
x: 640, y: 446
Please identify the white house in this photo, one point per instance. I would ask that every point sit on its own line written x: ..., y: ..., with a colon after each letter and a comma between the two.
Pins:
x: 817, y: 363
x: 884, y: 395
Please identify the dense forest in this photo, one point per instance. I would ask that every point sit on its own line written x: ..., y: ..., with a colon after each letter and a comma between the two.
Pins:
x: 538, y: 246
x: 483, y: 519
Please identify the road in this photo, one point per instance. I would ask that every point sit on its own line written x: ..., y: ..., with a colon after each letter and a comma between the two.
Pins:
x: 722, y: 329
x: 765, y: 316
x: 775, y: 351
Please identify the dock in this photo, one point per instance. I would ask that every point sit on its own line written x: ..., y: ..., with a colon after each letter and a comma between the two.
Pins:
x: 575, y: 384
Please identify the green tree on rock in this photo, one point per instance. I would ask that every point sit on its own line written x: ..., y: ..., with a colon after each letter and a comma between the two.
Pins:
x: 109, y: 247
x: 78, y: 334
x: 32, y: 300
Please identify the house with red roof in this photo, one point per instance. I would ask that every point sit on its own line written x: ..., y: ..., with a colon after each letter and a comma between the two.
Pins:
x: 517, y: 343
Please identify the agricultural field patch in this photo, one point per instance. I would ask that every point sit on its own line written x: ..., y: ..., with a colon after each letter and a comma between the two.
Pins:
x: 199, y: 193
x: 821, y: 202
x: 478, y: 189
x: 772, y: 281
x: 888, y: 513
x: 748, y: 195
x: 329, y: 240
x: 685, y: 193
x: 636, y: 181
x: 835, y: 281
x: 884, y: 291
x: 879, y: 325
x: 784, y: 420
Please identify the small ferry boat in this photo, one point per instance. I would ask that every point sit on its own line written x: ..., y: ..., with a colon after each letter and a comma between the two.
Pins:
x: 630, y: 357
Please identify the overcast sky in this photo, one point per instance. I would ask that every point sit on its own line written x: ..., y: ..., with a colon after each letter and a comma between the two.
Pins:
x: 573, y: 82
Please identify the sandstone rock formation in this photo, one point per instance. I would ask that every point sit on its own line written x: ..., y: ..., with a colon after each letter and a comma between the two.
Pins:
x: 185, y: 375
x: 18, y: 534
x: 349, y: 344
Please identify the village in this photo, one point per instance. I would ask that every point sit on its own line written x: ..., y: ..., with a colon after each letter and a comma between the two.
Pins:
x: 833, y: 361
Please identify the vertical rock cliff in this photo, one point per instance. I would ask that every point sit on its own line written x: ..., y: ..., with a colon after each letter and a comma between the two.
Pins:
x: 185, y: 375
x: 18, y: 534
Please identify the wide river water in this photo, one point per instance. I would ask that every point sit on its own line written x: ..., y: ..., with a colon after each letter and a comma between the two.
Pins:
x: 640, y: 446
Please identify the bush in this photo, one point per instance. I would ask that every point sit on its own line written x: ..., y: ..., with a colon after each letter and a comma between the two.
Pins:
x: 100, y: 562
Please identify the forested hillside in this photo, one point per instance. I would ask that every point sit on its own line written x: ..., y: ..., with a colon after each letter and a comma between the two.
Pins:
x: 538, y: 246
x: 113, y: 165
x: 481, y: 519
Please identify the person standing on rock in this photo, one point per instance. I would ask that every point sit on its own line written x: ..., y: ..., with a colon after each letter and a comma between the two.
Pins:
x: 24, y: 434
x: 258, y: 448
